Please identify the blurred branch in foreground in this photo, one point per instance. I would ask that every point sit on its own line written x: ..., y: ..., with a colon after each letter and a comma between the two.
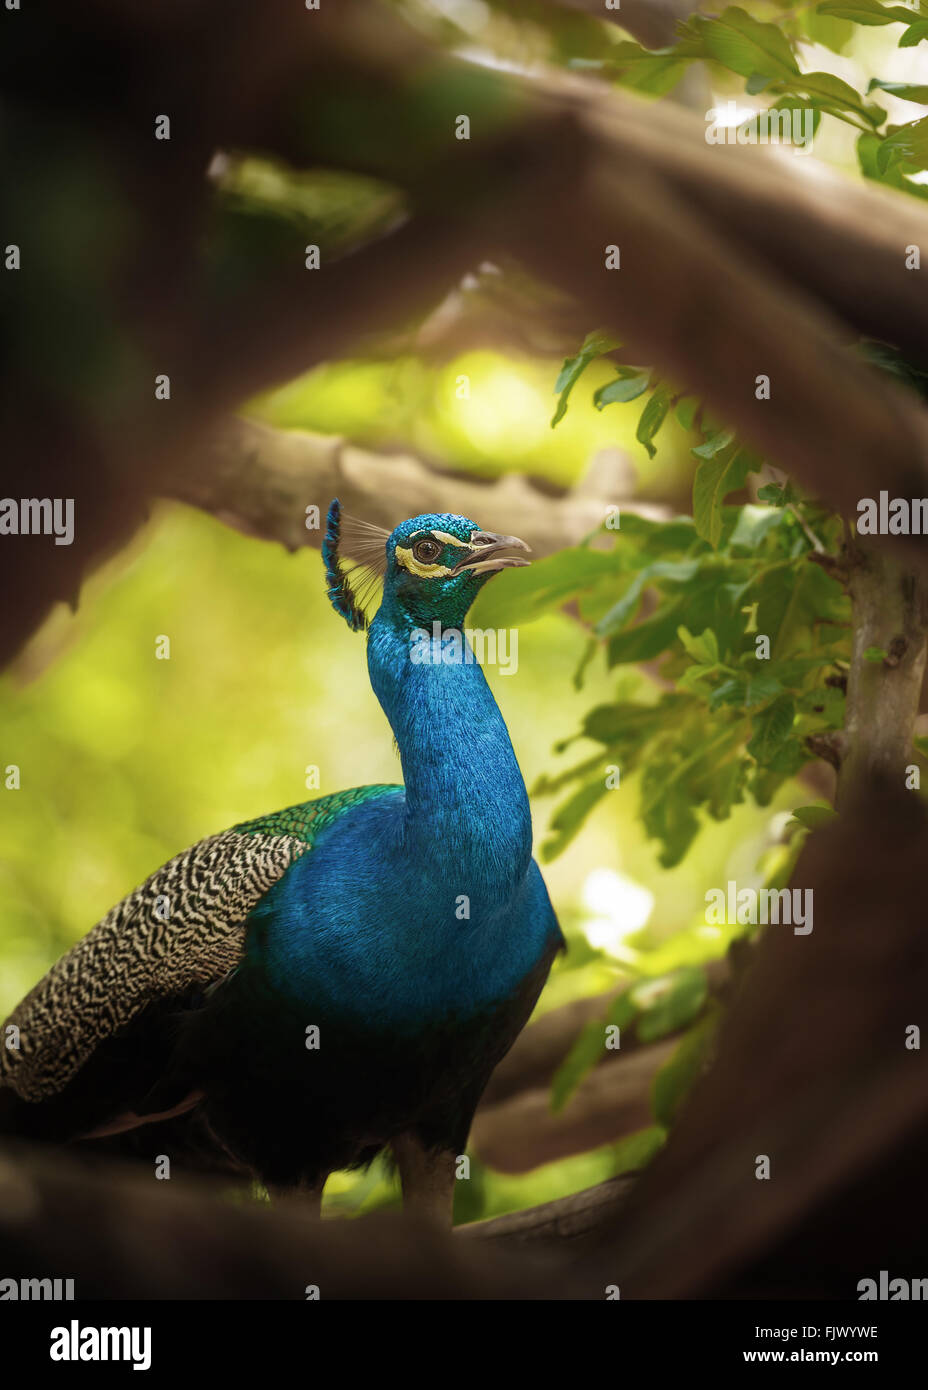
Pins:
x: 734, y: 263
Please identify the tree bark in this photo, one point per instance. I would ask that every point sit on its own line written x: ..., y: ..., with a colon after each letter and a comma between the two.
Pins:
x: 890, y: 614
x: 552, y: 1224
x: 262, y: 480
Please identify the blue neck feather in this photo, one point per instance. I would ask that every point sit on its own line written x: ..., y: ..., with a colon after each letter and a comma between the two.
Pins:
x: 466, y: 803
x: 366, y: 926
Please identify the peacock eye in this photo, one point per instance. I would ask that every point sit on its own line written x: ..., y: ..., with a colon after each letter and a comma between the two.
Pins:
x: 426, y: 551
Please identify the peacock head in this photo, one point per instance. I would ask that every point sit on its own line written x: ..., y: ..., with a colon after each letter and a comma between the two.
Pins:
x: 432, y: 566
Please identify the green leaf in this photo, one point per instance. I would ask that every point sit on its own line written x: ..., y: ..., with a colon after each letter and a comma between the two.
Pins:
x: 715, y: 478
x: 908, y: 144
x: 704, y: 648
x: 757, y: 82
x: 868, y: 149
x: 791, y: 104
x: 777, y: 495
x: 676, y: 1077
x: 610, y: 724
x: 765, y: 784
x: 545, y: 785
x: 659, y: 537
x: 667, y: 814
x: 745, y: 690
x: 825, y: 29
x: 521, y: 595
x: 702, y: 600
x: 753, y: 526
x: 624, y: 388
x: 589, y: 651
x: 824, y: 89
x: 875, y: 655
x: 812, y: 600
x: 746, y: 45
x: 695, y: 677
x: 652, y: 417
x: 726, y: 786
x: 865, y: 11
x: 667, y: 1004
x: 594, y: 345
x: 588, y: 1050
x: 675, y: 780
x: 708, y: 494
x: 647, y: 640
x: 654, y: 71
x: 568, y: 819
x: 914, y: 34
x: 669, y: 571
x: 771, y: 728
x: 713, y: 445
x: 686, y: 411
x: 816, y: 814
x: 909, y: 91
x: 790, y: 758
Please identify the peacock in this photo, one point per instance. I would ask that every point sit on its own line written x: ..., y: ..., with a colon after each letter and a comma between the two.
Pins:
x: 309, y: 988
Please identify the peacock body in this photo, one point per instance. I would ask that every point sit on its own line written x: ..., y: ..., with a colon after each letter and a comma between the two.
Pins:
x: 308, y: 987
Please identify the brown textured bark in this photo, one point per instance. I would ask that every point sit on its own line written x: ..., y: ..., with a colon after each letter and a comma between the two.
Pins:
x: 261, y: 480
x: 122, y: 1235
x: 550, y: 1225
x: 890, y: 612
x: 816, y: 1069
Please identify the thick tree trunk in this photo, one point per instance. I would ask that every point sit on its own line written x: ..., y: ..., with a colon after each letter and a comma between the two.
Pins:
x: 890, y: 614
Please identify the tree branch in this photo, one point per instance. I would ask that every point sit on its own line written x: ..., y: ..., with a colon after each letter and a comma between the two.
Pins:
x: 541, y: 1047
x: 554, y: 1224
x: 735, y: 263
x: 120, y: 1234
x: 261, y: 481
x: 889, y: 601
x: 611, y: 1101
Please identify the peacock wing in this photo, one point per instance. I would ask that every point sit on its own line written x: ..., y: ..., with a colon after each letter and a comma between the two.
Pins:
x: 183, y: 928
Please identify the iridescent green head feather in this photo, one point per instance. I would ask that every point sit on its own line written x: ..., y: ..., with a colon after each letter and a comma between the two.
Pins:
x: 432, y: 566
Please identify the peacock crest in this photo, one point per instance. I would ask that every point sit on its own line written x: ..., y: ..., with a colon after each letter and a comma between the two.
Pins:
x: 352, y: 585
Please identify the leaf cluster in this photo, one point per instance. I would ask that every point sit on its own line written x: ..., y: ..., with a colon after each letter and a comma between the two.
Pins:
x: 764, y: 55
x: 698, y: 594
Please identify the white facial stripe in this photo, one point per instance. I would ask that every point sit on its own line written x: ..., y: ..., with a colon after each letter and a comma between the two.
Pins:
x: 444, y: 537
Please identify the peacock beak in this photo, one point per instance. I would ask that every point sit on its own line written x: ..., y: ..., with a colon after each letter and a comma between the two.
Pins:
x: 488, y: 553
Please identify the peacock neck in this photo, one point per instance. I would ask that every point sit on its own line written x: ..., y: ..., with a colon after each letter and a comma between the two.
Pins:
x: 467, y: 814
